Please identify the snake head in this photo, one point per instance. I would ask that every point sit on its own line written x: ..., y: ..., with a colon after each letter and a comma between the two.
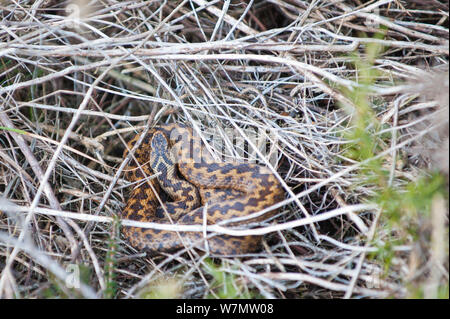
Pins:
x: 160, y: 154
x: 159, y: 142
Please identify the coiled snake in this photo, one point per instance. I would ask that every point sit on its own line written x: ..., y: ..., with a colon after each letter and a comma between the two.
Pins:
x: 192, y: 179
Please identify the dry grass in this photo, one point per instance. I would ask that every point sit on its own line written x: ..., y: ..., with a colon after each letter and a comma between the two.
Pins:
x: 80, y: 78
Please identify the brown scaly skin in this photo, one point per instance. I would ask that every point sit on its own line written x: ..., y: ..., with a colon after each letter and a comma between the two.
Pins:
x: 190, y: 177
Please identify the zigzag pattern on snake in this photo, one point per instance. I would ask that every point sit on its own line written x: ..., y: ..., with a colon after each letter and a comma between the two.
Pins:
x: 190, y: 178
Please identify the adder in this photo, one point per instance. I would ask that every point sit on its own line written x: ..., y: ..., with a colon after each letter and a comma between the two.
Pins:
x: 191, y: 179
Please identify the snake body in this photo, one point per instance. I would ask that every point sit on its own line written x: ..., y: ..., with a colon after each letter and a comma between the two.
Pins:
x: 191, y: 179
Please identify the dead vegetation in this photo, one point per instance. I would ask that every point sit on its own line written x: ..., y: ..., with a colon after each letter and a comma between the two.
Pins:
x: 80, y: 78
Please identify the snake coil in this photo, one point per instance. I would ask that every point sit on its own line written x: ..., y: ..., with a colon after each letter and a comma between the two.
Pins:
x: 191, y: 179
